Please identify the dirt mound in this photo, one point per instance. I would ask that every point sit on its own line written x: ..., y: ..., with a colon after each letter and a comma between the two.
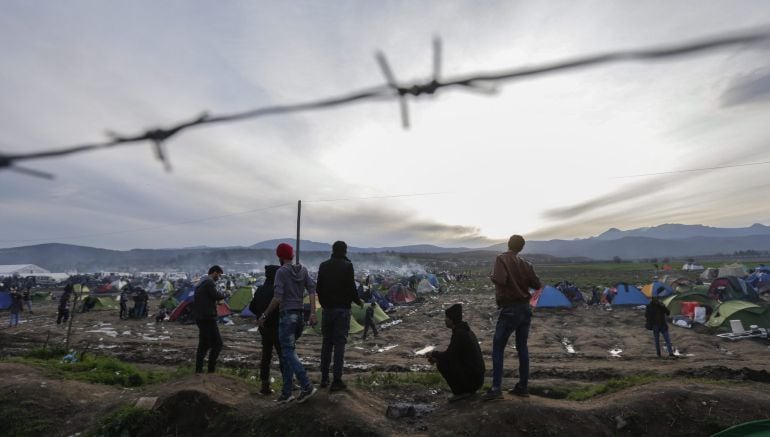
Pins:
x: 188, y: 411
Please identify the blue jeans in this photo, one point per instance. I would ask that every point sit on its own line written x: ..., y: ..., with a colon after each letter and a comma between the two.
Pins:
x: 335, y: 325
x: 656, y: 331
x: 29, y: 305
x: 14, y: 319
x: 290, y: 326
x: 514, y: 318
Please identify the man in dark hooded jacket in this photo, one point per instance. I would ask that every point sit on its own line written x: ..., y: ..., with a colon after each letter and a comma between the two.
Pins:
x: 461, y: 364
x: 205, y: 312
x: 269, y: 329
x: 336, y: 289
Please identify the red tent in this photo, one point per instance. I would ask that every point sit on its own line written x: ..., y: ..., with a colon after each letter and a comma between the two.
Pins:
x: 398, y: 293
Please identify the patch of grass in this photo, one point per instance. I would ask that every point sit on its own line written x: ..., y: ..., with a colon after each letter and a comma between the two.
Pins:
x: 391, y: 380
x: 610, y: 386
x: 129, y: 421
x: 92, y: 368
x: 22, y: 417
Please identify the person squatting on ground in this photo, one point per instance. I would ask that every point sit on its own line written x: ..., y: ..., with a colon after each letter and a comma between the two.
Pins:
x: 16, y: 307
x: 461, y: 364
x: 656, y: 318
x: 268, y: 332
x: 64, y: 302
x: 369, y: 320
x: 205, y: 313
x: 336, y: 289
x: 513, y: 277
x: 291, y: 282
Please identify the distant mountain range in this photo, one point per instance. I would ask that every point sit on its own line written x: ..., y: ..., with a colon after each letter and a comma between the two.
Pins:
x: 668, y: 240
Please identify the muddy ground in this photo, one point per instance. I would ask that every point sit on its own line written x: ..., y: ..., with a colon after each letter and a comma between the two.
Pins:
x: 714, y: 384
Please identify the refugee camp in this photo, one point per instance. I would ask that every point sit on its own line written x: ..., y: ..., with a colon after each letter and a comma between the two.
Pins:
x: 392, y: 218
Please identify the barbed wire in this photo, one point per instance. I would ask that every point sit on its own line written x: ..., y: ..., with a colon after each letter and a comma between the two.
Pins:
x: 484, y: 82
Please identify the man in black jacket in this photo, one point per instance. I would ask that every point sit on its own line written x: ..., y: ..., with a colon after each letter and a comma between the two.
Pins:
x: 336, y: 288
x: 461, y: 364
x: 269, y: 329
x: 205, y: 312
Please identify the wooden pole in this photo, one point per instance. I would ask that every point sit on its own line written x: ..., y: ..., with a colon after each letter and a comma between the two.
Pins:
x: 72, y: 316
x: 299, y: 215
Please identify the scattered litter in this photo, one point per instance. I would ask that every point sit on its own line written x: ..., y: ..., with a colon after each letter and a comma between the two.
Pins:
x: 640, y: 307
x: 107, y: 331
x: 679, y: 354
x: 425, y: 350
x: 387, y: 348
x: 126, y: 333
x: 616, y: 352
x: 160, y: 337
x: 568, y: 345
x: 359, y: 348
x: 390, y: 324
x: 113, y: 346
x: 254, y: 329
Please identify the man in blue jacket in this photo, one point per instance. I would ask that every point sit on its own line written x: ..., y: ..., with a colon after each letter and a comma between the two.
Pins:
x: 205, y: 312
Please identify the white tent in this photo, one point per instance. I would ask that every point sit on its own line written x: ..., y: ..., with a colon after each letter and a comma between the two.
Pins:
x: 21, y: 270
x: 425, y: 287
x: 692, y: 266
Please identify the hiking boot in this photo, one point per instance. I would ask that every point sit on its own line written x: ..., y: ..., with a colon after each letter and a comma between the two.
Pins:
x: 306, y: 394
x: 338, y: 386
x: 519, y: 391
x: 459, y: 397
x: 285, y: 399
x: 492, y: 395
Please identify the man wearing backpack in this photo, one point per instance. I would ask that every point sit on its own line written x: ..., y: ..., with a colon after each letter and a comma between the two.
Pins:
x: 269, y: 329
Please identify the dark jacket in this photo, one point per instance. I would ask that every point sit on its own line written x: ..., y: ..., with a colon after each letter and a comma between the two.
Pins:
x: 463, y: 353
x: 26, y: 295
x: 16, y: 305
x: 205, y: 299
x: 263, y: 296
x: 336, y: 285
x: 369, y: 314
x: 64, y: 300
x: 656, y: 314
x: 513, y: 277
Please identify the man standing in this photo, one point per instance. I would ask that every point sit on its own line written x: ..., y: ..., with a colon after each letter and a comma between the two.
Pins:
x: 205, y: 312
x: 64, y: 302
x: 513, y: 277
x: 16, y: 307
x: 336, y: 290
x: 656, y: 315
x: 291, y: 281
x: 269, y: 329
x: 123, y: 304
x: 461, y: 365
x: 27, y: 295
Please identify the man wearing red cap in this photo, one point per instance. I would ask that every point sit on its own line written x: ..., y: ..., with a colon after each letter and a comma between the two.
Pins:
x: 291, y: 282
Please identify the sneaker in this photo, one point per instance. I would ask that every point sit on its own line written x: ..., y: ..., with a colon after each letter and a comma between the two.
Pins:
x: 459, y: 397
x: 337, y: 386
x: 285, y: 399
x: 519, y: 391
x: 492, y: 395
x: 306, y: 394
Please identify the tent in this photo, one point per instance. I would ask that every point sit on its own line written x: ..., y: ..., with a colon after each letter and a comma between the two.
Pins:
x: 571, y: 291
x: 82, y: 289
x: 755, y: 428
x: 241, y: 298
x: 5, y: 300
x: 651, y: 290
x: 246, y: 312
x: 629, y: 295
x: 759, y: 280
x: 692, y: 266
x: 762, y: 269
x: 433, y: 280
x: 674, y: 303
x: 359, y: 314
x: 747, y: 312
x: 674, y: 281
x: 169, y: 303
x: 183, y: 312
x: 709, y: 274
x: 735, y: 269
x: 731, y: 288
x: 381, y: 300
x: 355, y: 327
x: 549, y: 297
x: 399, y: 294
x: 425, y: 287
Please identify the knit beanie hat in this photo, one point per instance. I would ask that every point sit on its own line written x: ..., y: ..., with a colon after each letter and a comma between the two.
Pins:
x: 285, y: 251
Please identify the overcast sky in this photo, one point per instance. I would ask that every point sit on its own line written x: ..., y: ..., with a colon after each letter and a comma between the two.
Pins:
x: 547, y: 157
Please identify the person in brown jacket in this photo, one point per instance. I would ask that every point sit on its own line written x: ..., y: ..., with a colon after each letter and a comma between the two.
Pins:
x: 513, y: 277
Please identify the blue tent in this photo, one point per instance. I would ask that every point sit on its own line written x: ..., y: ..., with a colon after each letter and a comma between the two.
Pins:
x: 549, y: 297
x: 5, y: 300
x: 629, y: 295
x: 433, y: 280
x: 247, y: 313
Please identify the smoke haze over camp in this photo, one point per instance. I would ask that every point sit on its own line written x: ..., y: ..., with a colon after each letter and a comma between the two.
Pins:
x: 566, y: 155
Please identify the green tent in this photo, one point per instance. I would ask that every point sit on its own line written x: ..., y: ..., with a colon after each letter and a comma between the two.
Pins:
x: 674, y: 302
x: 240, y: 299
x: 101, y: 303
x: 747, y: 312
x: 169, y: 303
x: 359, y: 313
x: 355, y: 327
x: 756, y: 428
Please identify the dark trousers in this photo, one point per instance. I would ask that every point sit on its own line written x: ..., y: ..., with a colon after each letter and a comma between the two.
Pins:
x: 369, y: 324
x: 269, y: 343
x: 459, y: 380
x: 64, y: 315
x: 656, y: 332
x: 335, y: 325
x: 123, y: 310
x: 514, y: 318
x: 208, y: 339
